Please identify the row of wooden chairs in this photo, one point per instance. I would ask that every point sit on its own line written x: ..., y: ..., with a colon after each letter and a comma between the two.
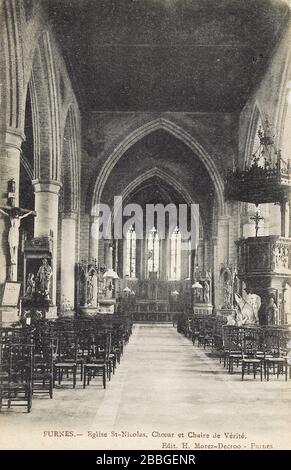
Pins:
x: 34, y: 360
x: 253, y: 349
x: 256, y: 350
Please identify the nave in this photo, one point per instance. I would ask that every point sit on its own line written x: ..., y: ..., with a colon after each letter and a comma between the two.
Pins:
x: 164, y: 385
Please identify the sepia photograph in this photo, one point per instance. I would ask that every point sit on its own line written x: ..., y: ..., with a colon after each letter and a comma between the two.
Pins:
x: 145, y: 226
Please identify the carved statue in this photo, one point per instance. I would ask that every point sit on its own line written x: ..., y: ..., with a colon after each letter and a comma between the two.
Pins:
x: 43, y: 278
x: 227, y: 294
x: 231, y: 319
x: 248, y: 307
x: 90, y: 289
x: 271, y: 312
x: 13, y: 236
x: 206, y: 292
x: 30, y: 289
x: 254, y: 301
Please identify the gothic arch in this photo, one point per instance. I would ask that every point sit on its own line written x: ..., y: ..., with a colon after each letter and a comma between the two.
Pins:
x: 256, y: 116
x: 282, y: 101
x: 12, y: 76
x: 70, y: 163
x: 284, y: 111
x: 45, y: 111
x: 147, y: 129
x: 27, y: 167
x: 164, y: 176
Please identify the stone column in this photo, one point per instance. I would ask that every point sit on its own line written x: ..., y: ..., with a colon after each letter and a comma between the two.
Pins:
x: 139, y: 259
x: 223, y: 240
x: 68, y: 244
x: 274, y: 220
x: 145, y: 257
x: 108, y: 254
x: 284, y: 207
x: 163, y: 271
x: 216, y: 295
x: 46, y: 221
x: 10, y: 168
x: 222, y: 253
x: 93, y: 238
x: 108, y: 258
x: 185, y: 263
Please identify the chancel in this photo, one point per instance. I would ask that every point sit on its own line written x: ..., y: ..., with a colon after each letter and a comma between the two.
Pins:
x: 145, y: 212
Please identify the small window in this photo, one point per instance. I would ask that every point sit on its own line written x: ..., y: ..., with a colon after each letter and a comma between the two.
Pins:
x: 131, y: 253
x: 175, y: 255
x: 153, y: 253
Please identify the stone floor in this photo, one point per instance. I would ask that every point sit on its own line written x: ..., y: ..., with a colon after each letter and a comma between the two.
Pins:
x: 165, y: 394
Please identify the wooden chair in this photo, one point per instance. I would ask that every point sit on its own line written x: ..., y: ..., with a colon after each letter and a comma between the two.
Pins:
x: 42, y: 375
x: 98, y: 363
x: 275, y: 358
x: 232, y: 347
x: 66, y: 360
x: 252, y: 361
x: 16, y: 376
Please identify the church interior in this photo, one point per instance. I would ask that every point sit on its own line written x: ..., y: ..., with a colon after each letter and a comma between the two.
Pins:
x: 115, y: 117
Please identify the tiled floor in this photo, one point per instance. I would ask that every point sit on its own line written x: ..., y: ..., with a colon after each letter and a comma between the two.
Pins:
x: 163, y: 385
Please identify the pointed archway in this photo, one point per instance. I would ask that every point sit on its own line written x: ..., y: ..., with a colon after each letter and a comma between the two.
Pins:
x: 148, y: 128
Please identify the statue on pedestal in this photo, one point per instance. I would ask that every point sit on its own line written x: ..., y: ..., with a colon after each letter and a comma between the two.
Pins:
x: 90, y: 289
x: 43, y: 279
x: 227, y: 294
x: 206, y: 292
x: 271, y: 312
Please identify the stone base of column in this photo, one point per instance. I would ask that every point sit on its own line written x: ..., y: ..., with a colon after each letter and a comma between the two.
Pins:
x: 69, y: 313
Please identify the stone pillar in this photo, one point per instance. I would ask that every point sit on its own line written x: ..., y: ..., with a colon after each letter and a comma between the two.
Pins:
x: 223, y: 240
x: 108, y: 258
x: 108, y: 254
x: 145, y: 257
x: 164, y: 257
x: 139, y: 259
x: 93, y: 238
x: 10, y: 168
x: 184, y: 262
x: 68, y: 244
x: 46, y: 221
x: 284, y: 207
x: 274, y: 220
x: 216, y: 294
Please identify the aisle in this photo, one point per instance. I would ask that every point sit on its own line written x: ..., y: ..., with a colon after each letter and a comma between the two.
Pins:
x: 163, y: 384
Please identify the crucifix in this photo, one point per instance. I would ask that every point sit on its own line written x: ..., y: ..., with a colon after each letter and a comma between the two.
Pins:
x: 257, y: 218
x: 15, y: 215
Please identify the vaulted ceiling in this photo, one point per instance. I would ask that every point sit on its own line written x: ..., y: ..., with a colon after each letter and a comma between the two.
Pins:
x: 167, y: 55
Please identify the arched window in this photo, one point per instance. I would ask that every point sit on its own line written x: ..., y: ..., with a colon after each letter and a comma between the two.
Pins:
x: 131, y: 253
x: 175, y: 254
x: 153, y: 253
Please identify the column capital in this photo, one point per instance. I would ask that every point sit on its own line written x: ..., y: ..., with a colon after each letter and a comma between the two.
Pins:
x: 72, y: 215
x: 48, y: 186
x: 93, y: 218
x: 223, y: 218
x: 12, y: 138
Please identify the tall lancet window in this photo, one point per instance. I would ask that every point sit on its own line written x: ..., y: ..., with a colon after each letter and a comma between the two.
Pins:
x: 175, y: 254
x: 153, y: 253
x: 131, y: 253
